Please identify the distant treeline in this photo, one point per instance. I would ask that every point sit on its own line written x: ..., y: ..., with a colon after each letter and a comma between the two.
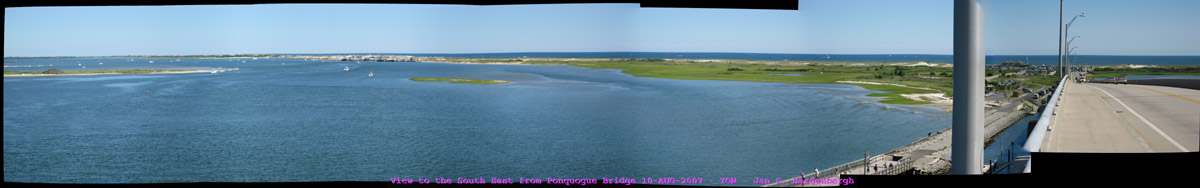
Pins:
x: 142, y: 56
x: 194, y: 56
x: 38, y: 58
x: 120, y: 71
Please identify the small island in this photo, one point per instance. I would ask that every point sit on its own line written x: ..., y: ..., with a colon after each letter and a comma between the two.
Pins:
x: 460, y: 80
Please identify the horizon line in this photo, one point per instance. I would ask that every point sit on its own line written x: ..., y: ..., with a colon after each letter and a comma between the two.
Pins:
x: 590, y: 52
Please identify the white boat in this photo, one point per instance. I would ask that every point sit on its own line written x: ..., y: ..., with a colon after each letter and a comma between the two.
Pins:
x: 151, y: 61
x: 347, y: 68
x: 214, y: 71
x: 101, y: 63
x: 81, y: 64
x: 826, y: 56
x: 371, y: 74
x: 85, y: 67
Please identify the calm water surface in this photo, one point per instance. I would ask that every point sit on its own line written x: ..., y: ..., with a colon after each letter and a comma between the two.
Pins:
x: 295, y: 120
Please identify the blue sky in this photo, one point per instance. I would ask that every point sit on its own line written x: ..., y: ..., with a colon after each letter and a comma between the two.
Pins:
x: 1014, y: 27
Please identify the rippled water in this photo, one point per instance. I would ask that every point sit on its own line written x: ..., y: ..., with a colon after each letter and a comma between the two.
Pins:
x: 1001, y: 150
x: 312, y: 121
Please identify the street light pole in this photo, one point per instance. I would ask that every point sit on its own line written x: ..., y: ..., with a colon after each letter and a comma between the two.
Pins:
x: 1070, y: 56
x: 1067, y: 59
x: 1061, y: 70
x: 1067, y: 32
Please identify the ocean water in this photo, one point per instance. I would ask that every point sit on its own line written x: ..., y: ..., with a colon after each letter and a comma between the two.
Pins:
x: 294, y: 120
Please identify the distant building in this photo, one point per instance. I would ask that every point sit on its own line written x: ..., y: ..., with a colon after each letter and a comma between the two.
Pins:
x: 1012, y: 63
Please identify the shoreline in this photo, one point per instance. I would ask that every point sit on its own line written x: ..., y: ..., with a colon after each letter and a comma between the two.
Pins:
x: 938, y: 99
x: 94, y: 74
x: 474, y: 63
x: 682, y: 69
x: 936, y: 146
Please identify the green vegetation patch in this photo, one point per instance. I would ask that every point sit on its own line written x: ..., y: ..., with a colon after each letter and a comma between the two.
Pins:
x: 760, y: 74
x: 893, y: 95
x: 936, y: 78
x: 459, y: 80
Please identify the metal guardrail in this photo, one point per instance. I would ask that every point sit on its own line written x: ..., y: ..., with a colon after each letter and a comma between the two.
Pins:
x: 1034, y: 143
x: 825, y: 172
x: 899, y: 167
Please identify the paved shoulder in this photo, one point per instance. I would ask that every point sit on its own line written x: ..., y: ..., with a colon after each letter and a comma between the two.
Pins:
x: 1167, y: 118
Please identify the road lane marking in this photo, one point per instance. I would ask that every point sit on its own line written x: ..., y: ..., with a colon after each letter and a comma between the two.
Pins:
x: 1160, y: 132
x: 1135, y: 133
x: 1168, y: 94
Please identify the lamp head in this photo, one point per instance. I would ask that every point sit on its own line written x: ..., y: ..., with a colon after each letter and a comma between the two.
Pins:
x: 1083, y: 14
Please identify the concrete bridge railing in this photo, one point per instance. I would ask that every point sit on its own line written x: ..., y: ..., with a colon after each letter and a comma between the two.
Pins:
x: 1181, y: 83
x: 1034, y: 143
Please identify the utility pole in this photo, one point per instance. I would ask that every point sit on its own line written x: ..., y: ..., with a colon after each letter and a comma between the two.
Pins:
x: 866, y: 160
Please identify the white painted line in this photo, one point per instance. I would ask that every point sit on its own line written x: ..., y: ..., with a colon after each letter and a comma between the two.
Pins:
x: 1160, y: 132
x: 1132, y: 132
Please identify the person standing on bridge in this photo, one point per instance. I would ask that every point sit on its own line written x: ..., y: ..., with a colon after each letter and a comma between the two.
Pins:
x: 818, y: 172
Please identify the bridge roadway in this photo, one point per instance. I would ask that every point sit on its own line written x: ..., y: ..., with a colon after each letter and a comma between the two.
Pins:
x: 1126, y: 118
